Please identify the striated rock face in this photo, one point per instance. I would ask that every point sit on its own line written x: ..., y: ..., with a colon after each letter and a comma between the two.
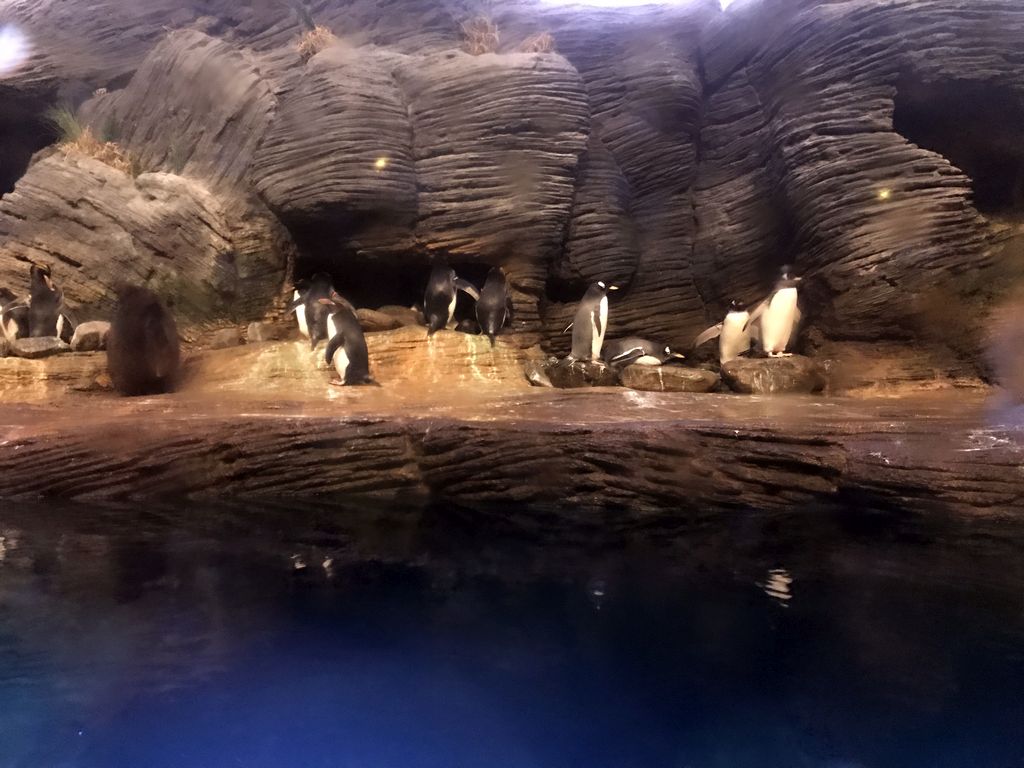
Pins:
x: 37, y: 348
x: 668, y: 378
x: 574, y: 374
x: 681, y: 152
x: 97, y: 225
x: 774, y: 375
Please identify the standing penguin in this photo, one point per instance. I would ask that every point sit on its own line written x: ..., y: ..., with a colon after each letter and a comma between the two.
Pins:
x: 778, y: 314
x: 734, y: 333
x: 591, y: 322
x: 439, y: 299
x: 346, y: 350
x: 311, y: 314
x: 633, y: 351
x: 46, y: 313
x: 143, y: 349
x: 494, y: 307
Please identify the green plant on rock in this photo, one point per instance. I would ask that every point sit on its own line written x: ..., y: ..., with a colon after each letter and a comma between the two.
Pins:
x: 75, y: 138
x: 65, y: 123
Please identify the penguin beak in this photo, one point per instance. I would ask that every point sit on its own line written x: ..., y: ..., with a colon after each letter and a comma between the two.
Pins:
x: 613, y: 287
x: 677, y: 356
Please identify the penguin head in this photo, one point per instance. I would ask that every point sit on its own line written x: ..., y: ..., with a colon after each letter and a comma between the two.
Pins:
x: 737, y: 306
x: 603, y: 287
x: 40, y: 276
x: 786, y: 274
x: 670, y: 355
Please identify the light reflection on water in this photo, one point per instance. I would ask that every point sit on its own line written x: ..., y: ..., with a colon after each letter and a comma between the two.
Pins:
x: 332, y: 637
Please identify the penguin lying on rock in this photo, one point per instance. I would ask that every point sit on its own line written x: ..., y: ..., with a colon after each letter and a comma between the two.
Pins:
x: 346, y: 350
x: 633, y: 351
x: 590, y: 323
x: 441, y: 294
x: 734, y: 333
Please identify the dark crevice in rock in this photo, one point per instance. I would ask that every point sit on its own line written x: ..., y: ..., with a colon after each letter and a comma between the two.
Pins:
x: 978, y: 127
x: 23, y: 132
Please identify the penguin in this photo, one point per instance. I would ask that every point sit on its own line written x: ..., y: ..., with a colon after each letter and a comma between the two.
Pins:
x: 311, y: 314
x: 143, y: 349
x: 633, y: 351
x: 439, y: 299
x: 590, y: 323
x: 13, y: 316
x: 46, y: 313
x: 346, y: 349
x: 734, y: 333
x: 494, y: 308
x: 779, y: 314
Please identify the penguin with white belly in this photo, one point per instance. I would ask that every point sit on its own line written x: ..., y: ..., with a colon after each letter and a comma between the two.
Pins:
x: 13, y: 316
x: 47, y: 315
x: 778, y: 315
x: 590, y: 323
x: 633, y: 351
x: 734, y: 333
x: 441, y: 295
x: 346, y: 351
x: 310, y: 313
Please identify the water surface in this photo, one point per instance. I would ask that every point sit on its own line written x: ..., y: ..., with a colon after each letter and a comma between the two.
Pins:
x: 329, y: 636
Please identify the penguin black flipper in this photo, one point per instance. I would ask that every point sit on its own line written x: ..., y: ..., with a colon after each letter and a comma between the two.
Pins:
x: 569, y: 327
x: 757, y: 312
x: 626, y: 356
x: 65, y: 327
x: 467, y: 287
x: 711, y: 333
x: 15, y: 320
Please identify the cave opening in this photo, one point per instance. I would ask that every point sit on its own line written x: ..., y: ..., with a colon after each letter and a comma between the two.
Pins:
x: 978, y: 127
x: 23, y: 132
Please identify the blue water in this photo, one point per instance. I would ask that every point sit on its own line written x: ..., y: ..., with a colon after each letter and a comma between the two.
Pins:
x: 286, y: 638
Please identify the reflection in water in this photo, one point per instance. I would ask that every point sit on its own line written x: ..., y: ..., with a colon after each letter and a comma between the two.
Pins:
x: 399, y: 638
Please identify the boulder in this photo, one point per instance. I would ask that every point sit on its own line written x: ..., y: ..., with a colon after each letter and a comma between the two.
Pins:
x: 404, y: 315
x: 774, y: 375
x: 536, y: 372
x: 215, y: 257
x: 264, y: 331
x: 573, y: 374
x: 38, y: 348
x: 668, y: 378
x: 90, y: 336
x: 372, y: 321
x: 225, y: 338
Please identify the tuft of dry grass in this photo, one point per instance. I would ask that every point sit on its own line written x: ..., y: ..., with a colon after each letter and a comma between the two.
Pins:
x: 315, y: 40
x: 481, y: 36
x: 542, y: 42
x: 74, y: 137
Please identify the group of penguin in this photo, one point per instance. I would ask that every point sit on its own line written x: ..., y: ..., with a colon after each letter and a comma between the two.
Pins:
x: 772, y: 322
x: 40, y: 313
x: 322, y: 313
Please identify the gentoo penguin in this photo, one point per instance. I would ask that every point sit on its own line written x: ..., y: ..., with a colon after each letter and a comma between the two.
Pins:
x: 778, y: 314
x: 733, y: 333
x: 633, y: 351
x: 590, y: 323
x: 46, y: 314
x: 439, y: 299
x: 494, y: 308
x: 311, y: 314
x: 13, y: 316
x: 143, y: 350
x: 346, y: 350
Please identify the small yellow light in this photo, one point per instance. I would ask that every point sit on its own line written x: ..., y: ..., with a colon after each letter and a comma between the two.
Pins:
x: 884, y: 194
x: 381, y: 163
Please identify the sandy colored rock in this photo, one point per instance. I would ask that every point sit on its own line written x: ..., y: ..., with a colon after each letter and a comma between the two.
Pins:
x: 259, y: 331
x: 668, y: 378
x: 90, y: 336
x: 50, y: 378
x: 373, y: 321
x: 573, y: 374
x: 774, y: 375
x: 404, y: 315
x: 38, y: 348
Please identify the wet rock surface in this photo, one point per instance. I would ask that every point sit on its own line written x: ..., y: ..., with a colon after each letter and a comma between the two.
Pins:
x: 225, y: 339
x: 574, y: 374
x: 38, y: 348
x: 373, y: 321
x: 774, y: 375
x: 259, y: 332
x: 668, y: 378
x: 90, y: 336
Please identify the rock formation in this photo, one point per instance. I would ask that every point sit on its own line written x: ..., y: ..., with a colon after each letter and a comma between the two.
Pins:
x: 683, y: 152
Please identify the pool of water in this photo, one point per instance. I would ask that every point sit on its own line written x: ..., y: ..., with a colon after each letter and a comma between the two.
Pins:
x: 271, y: 636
